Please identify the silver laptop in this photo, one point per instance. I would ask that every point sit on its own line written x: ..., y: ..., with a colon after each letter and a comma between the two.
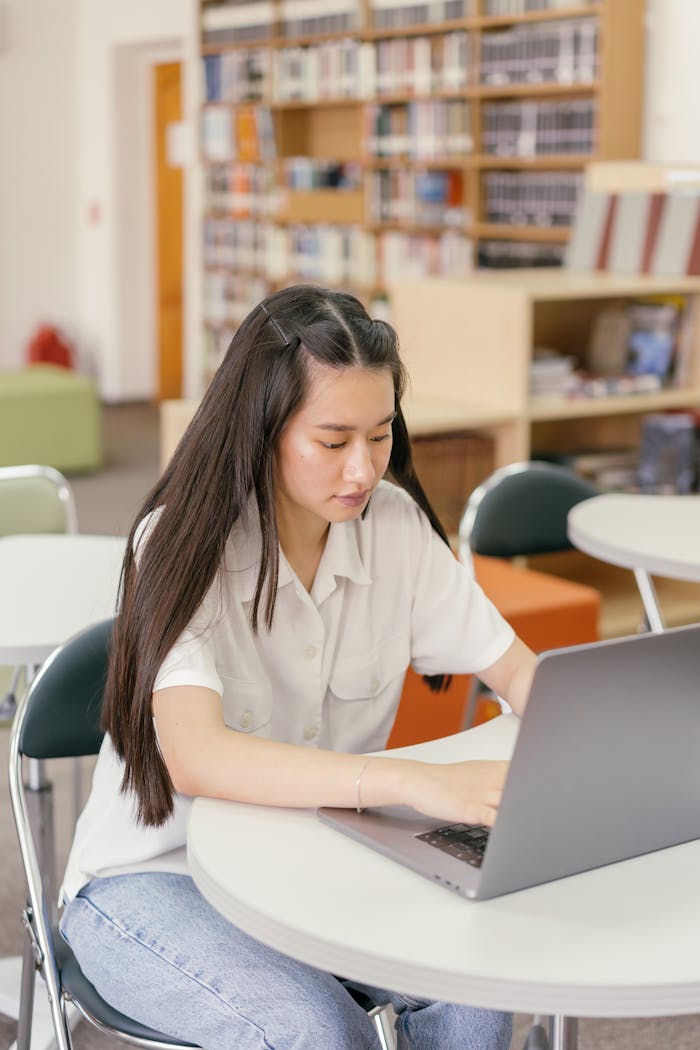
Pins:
x: 606, y: 767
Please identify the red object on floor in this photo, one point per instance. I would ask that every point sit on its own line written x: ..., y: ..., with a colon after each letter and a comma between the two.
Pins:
x: 546, y: 611
x: 48, y: 347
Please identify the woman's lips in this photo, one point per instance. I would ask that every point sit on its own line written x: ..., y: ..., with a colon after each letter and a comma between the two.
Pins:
x: 353, y: 499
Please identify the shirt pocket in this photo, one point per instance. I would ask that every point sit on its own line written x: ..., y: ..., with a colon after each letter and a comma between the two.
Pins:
x: 247, y: 705
x: 366, y: 675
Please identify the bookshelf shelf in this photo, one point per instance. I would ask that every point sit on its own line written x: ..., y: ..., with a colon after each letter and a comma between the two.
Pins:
x: 479, y: 335
x: 428, y: 114
x: 448, y: 25
x: 540, y: 234
x: 555, y: 408
x: 534, y: 90
x: 456, y: 163
x: 545, y: 15
x: 287, y: 105
x: 542, y: 162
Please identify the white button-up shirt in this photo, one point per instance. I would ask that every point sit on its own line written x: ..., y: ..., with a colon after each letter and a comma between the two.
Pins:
x: 387, y: 593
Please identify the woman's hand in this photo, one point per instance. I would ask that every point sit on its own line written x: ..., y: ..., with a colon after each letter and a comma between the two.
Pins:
x: 459, y: 792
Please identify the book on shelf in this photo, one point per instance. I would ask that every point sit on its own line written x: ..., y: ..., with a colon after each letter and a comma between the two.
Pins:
x: 238, y: 23
x: 408, y: 255
x: 244, y: 133
x: 237, y: 76
x: 422, y: 129
x: 522, y: 7
x: 313, y: 173
x: 677, y: 247
x: 653, y: 336
x: 552, y: 372
x: 643, y: 338
x: 637, y: 232
x: 532, y: 128
x: 668, y: 453
x: 217, y: 134
x: 395, y: 15
x: 508, y: 255
x: 309, y: 18
x: 611, y: 469
x: 532, y: 198
x: 325, y: 71
x: 630, y: 238
x: 556, y: 52
x: 422, y: 198
x: 587, y: 245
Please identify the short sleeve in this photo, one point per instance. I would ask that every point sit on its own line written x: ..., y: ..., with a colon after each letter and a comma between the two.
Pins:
x: 455, y: 628
x: 191, y: 661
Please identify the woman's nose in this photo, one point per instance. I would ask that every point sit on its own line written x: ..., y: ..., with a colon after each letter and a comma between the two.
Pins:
x: 358, y: 466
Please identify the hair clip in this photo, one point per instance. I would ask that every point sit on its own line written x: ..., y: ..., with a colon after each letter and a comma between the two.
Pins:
x: 287, y: 342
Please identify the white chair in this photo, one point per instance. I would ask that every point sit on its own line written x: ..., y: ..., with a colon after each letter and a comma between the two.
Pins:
x: 33, y: 499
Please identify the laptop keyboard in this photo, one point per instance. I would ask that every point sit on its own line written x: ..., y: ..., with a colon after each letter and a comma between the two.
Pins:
x: 466, y: 842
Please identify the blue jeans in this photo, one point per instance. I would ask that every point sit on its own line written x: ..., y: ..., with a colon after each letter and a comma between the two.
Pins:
x: 158, y: 952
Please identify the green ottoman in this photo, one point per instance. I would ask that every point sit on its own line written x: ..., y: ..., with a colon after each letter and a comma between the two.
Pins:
x: 50, y: 415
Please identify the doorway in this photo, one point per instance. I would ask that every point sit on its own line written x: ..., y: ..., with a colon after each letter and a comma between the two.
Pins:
x: 167, y: 109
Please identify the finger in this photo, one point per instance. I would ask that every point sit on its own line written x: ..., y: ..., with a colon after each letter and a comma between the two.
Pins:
x: 493, y: 796
x: 483, y: 814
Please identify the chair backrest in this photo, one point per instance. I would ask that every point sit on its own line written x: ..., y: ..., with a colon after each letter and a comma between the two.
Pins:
x: 59, y: 717
x: 35, y: 498
x: 521, y: 510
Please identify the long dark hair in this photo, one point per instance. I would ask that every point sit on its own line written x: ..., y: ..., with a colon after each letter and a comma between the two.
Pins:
x: 225, y: 458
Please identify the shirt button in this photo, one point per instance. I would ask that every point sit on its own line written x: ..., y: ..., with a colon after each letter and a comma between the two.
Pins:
x: 310, y: 652
x: 310, y: 732
x: 246, y: 719
x: 374, y: 686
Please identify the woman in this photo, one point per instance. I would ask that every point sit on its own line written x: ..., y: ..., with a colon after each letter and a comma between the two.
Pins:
x: 275, y: 591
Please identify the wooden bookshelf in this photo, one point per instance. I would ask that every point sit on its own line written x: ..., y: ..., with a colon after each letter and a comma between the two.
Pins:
x: 471, y: 342
x: 429, y: 133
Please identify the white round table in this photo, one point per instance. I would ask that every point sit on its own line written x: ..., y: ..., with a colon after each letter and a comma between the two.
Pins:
x: 648, y: 534
x: 621, y: 941
x: 54, y: 586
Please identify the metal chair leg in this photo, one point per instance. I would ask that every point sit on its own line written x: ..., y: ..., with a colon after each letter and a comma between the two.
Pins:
x: 39, y: 793
x: 381, y: 1016
x: 26, y: 996
x: 537, y: 1038
x: 563, y: 1032
x: 472, y: 699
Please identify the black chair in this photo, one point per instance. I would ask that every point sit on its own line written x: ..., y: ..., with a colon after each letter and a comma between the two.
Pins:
x: 519, y: 511
x: 59, y: 717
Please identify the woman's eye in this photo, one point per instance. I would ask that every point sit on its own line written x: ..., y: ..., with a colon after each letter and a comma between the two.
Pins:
x: 332, y: 444
x: 381, y: 437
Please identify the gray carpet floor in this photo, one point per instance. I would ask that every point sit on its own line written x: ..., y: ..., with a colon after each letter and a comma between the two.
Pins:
x: 107, y: 502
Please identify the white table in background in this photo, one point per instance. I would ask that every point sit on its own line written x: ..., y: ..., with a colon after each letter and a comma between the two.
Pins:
x: 53, y: 587
x: 621, y: 941
x: 649, y: 534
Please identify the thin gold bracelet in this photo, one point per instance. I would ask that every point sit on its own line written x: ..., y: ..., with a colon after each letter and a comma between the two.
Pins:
x: 358, y: 782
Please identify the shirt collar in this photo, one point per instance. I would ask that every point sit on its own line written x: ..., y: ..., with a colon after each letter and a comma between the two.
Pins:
x: 341, y: 558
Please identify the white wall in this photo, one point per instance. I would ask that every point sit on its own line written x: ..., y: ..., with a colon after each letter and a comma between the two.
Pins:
x: 672, y: 122
x: 117, y: 44
x: 38, y: 172
x: 76, y: 208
